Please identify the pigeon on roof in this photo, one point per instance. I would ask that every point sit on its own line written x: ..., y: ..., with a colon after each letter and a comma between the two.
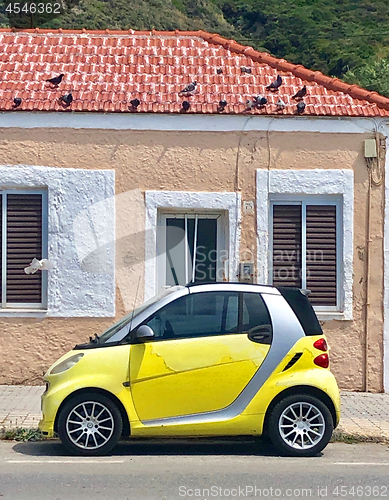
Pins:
x: 250, y: 104
x: 222, y: 105
x: 276, y: 84
x: 189, y: 89
x: 56, y: 80
x: 260, y: 100
x: 301, y: 93
x: 67, y: 99
x: 17, y: 102
x: 185, y: 105
x: 300, y: 107
x: 135, y: 103
x: 280, y: 104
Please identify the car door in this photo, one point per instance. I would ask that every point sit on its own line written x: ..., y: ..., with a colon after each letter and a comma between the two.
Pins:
x: 207, y: 347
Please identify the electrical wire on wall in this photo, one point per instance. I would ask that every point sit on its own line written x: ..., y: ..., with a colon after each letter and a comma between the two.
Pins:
x: 237, y: 187
x: 241, y: 135
x: 375, y: 171
x: 268, y: 278
x: 268, y: 154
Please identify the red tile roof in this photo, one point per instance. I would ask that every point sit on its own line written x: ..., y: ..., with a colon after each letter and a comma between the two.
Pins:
x: 105, y: 70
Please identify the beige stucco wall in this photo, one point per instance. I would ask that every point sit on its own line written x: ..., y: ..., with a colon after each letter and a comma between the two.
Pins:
x: 197, y: 161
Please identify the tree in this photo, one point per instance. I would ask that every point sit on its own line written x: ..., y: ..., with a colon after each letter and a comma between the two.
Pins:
x: 371, y: 76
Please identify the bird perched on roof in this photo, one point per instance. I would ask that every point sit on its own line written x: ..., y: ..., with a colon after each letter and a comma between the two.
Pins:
x: 56, y: 80
x: 35, y: 265
x: 260, y: 100
x: 250, y: 104
x: 135, y: 103
x: 280, y: 104
x: 17, y: 102
x: 274, y: 86
x: 300, y: 107
x: 222, y: 105
x: 301, y: 93
x: 67, y: 99
x: 185, y: 105
x: 245, y: 69
x: 189, y: 89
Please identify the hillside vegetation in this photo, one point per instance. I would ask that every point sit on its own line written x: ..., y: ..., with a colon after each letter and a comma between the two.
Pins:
x: 344, y: 38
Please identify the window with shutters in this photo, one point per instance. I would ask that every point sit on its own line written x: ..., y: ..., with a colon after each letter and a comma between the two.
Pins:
x: 305, y: 249
x: 23, y: 238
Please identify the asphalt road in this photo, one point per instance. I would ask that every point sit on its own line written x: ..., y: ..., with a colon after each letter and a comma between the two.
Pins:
x: 172, y: 470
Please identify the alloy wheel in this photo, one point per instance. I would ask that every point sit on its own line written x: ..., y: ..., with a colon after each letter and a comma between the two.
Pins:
x: 301, y: 425
x: 90, y: 425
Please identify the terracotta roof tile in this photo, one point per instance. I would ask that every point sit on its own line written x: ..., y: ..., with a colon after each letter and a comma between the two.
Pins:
x: 107, y: 69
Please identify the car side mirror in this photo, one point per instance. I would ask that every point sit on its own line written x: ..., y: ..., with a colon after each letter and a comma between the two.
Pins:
x: 144, y: 333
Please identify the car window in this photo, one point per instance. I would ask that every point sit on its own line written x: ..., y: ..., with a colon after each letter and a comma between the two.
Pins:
x: 198, y: 314
x: 303, y: 310
x: 254, y: 312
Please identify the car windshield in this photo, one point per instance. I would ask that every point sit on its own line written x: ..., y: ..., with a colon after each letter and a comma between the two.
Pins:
x: 109, y: 335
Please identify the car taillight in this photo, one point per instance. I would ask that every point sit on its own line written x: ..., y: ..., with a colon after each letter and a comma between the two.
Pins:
x: 321, y: 344
x: 322, y: 360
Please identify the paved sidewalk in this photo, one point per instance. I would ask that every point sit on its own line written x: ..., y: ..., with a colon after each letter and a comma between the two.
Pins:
x: 363, y: 413
x: 20, y: 406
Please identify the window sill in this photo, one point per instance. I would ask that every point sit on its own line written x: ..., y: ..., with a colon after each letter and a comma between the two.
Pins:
x: 23, y: 313
x: 329, y: 316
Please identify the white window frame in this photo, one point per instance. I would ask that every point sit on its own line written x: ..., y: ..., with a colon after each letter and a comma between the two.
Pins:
x: 221, y: 227
x: 312, y: 183
x: 185, y: 201
x: 24, y: 305
x: 303, y: 201
x: 71, y: 291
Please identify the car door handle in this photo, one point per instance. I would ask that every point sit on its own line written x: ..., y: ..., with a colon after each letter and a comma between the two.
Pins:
x: 262, y: 335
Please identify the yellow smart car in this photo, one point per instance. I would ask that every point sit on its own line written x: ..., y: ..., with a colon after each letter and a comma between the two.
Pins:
x: 222, y: 359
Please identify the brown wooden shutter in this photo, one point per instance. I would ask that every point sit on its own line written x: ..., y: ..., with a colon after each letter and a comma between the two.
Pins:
x: 287, y: 245
x: 24, y: 242
x: 321, y: 254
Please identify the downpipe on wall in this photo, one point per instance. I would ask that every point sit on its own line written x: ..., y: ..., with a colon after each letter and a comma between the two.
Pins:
x: 375, y: 178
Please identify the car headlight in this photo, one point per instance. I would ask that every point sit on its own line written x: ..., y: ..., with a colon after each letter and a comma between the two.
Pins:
x: 66, y: 364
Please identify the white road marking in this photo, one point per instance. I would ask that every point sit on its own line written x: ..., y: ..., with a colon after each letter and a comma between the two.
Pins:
x: 360, y: 463
x: 80, y: 461
x: 107, y: 461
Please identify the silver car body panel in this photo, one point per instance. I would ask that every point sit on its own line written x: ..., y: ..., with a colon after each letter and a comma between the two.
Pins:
x: 234, y: 287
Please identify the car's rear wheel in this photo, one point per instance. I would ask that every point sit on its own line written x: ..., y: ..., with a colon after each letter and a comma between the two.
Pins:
x: 90, y: 424
x: 300, y: 425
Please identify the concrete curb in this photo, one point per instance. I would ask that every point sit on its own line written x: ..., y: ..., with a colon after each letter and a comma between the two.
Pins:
x: 341, y: 436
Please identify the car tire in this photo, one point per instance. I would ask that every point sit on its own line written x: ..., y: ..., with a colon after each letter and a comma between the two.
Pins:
x: 90, y: 424
x: 300, y: 425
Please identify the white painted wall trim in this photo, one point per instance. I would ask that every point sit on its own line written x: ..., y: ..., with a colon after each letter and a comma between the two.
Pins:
x: 191, y: 122
x: 72, y: 290
x: 309, y: 182
x: 155, y: 200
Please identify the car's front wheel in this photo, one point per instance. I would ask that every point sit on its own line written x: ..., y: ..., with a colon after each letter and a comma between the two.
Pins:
x: 90, y: 424
x: 300, y: 425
